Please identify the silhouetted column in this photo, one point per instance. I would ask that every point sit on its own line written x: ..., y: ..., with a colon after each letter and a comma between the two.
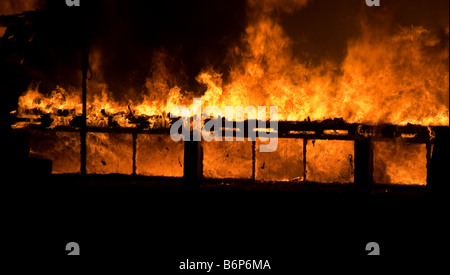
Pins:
x: 84, y: 38
x: 363, y: 164
x: 438, y: 175
x: 193, y: 164
x: 85, y: 62
x: 134, y: 136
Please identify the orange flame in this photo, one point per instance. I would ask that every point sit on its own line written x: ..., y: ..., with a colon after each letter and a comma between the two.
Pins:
x: 394, y: 78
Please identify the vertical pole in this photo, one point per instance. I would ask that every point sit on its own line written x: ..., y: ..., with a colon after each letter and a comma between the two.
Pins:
x: 429, y: 156
x: 363, y: 164
x: 134, y: 135
x: 305, y: 142
x: 429, y: 146
x: 438, y: 176
x: 85, y: 62
x: 193, y: 164
x: 253, y: 160
x: 84, y: 70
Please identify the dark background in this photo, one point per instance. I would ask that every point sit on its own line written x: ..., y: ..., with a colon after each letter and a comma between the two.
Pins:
x: 168, y: 225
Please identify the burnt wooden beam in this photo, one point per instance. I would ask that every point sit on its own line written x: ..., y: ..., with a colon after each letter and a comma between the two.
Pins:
x: 324, y: 130
x: 119, y: 130
x: 254, y: 160
x: 305, y: 143
x: 134, y: 136
x: 83, y: 131
x: 303, y: 130
x: 438, y: 176
x: 338, y: 130
x: 363, y: 165
x: 193, y: 164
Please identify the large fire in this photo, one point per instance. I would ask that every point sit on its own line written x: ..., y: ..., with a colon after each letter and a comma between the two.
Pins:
x: 389, y: 75
x: 399, y: 78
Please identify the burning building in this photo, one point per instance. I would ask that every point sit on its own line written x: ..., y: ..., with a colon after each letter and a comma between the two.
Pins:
x: 88, y: 96
x: 373, y: 97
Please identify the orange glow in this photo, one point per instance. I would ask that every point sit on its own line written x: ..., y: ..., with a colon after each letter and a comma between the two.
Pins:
x: 49, y: 145
x: 330, y: 161
x: 109, y: 153
x: 285, y: 164
x: 227, y: 160
x: 159, y: 156
x: 399, y: 163
x: 19, y: 6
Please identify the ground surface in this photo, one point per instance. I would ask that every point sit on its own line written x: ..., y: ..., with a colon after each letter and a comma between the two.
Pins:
x: 161, y: 220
